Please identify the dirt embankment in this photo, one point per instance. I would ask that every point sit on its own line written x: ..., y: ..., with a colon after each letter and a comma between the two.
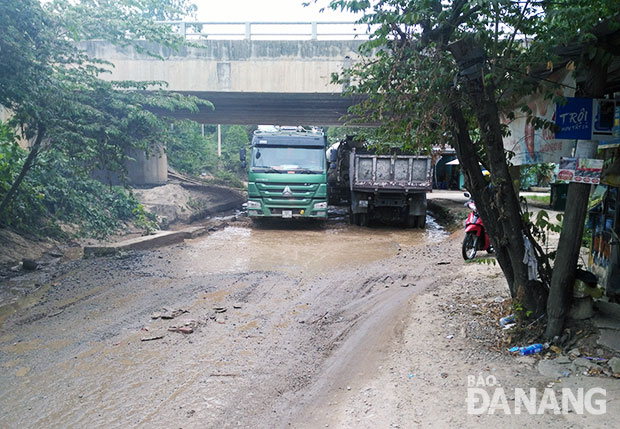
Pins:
x: 174, y: 204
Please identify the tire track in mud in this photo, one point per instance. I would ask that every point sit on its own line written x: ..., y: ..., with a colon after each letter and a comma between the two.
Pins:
x: 379, y: 320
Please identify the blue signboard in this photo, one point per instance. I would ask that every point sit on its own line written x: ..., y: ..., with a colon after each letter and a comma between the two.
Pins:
x: 574, y: 119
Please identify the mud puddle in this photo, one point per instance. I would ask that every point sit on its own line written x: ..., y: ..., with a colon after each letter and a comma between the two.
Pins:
x: 311, y: 248
x: 77, y: 357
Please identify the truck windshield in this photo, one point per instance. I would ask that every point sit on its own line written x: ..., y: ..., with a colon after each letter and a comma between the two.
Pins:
x: 297, y: 159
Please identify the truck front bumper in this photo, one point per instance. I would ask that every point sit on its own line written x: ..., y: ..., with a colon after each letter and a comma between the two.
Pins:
x: 316, y: 209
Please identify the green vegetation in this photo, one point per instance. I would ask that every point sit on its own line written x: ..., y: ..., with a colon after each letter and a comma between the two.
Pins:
x: 536, y: 175
x: 57, y: 192
x: 75, y: 122
x: 451, y: 72
x: 191, y: 153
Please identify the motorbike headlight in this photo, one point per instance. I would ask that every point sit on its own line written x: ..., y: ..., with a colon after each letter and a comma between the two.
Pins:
x: 322, y: 205
x: 253, y: 205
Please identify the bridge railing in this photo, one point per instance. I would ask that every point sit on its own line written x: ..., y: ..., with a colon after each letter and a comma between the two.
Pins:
x: 331, y: 30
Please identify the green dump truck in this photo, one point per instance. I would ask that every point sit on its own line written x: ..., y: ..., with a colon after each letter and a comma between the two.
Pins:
x: 287, y: 173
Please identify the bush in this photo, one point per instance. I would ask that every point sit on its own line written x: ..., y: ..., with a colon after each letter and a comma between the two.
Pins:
x: 58, y: 190
x: 191, y: 153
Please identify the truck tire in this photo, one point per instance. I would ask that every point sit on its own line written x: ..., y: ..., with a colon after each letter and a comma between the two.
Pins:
x: 421, y: 221
x: 411, y: 221
x: 363, y: 219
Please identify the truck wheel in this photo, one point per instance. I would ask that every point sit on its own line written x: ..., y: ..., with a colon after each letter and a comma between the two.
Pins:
x: 411, y: 221
x: 354, y: 218
x: 470, y: 245
x: 421, y: 221
x: 258, y: 221
x: 363, y: 219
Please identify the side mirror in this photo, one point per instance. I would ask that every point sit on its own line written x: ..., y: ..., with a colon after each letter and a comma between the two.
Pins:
x: 242, y: 154
x: 244, y: 164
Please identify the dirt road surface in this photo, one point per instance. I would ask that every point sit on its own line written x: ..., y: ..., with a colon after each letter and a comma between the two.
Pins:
x: 293, y: 325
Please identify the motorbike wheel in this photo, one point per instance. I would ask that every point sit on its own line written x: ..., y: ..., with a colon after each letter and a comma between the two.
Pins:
x: 470, y: 246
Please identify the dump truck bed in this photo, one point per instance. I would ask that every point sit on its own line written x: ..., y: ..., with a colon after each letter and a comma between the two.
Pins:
x: 390, y: 172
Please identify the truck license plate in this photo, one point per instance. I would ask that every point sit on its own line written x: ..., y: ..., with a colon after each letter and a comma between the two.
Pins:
x: 287, y: 214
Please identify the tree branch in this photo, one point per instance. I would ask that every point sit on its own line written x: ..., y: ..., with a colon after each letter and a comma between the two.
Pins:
x: 27, y: 164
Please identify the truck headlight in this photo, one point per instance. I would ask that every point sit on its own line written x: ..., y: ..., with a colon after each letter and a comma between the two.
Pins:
x: 322, y: 205
x: 254, y: 205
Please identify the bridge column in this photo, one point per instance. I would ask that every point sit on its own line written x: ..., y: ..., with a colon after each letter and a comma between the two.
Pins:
x: 148, y: 169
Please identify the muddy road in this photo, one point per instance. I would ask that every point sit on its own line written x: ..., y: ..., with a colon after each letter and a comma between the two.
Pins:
x: 287, y: 325
x: 281, y: 314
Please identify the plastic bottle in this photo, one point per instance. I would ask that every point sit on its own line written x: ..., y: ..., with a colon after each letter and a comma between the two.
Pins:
x: 507, y: 320
x: 531, y: 349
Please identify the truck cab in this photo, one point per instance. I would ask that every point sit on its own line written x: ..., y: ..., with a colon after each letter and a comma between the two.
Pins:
x: 287, y: 173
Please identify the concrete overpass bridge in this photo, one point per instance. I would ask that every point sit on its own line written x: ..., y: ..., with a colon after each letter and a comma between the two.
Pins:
x: 249, y: 80
x: 250, y: 77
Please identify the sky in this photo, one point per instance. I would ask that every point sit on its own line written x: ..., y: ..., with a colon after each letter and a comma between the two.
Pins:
x: 267, y: 10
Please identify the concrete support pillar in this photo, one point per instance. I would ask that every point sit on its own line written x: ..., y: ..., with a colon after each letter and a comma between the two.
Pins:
x: 148, y: 169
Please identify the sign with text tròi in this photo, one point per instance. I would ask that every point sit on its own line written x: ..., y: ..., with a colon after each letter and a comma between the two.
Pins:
x: 574, y: 119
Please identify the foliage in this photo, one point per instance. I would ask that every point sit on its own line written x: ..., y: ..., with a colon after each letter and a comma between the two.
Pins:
x: 541, y: 225
x: 124, y: 23
x: 234, y: 137
x: 448, y: 73
x: 541, y: 198
x: 145, y: 220
x: 57, y: 192
x: 335, y: 134
x: 76, y: 121
x: 227, y: 178
x: 188, y: 151
x: 536, y: 175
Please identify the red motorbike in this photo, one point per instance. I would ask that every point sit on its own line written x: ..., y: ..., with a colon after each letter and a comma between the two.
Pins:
x: 476, y: 237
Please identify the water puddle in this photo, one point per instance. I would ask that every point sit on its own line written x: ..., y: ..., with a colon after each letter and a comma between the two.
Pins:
x: 21, y: 302
x: 30, y: 295
x: 296, y: 247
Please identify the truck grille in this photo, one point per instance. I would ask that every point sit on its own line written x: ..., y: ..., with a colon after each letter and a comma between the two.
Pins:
x: 273, y: 192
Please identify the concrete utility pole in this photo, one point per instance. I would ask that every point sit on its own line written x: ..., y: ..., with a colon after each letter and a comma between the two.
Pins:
x: 219, y: 140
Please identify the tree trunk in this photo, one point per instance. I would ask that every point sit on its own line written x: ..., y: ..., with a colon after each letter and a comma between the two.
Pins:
x: 497, y: 202
x: 564, y: 269
x: 34, y: 150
